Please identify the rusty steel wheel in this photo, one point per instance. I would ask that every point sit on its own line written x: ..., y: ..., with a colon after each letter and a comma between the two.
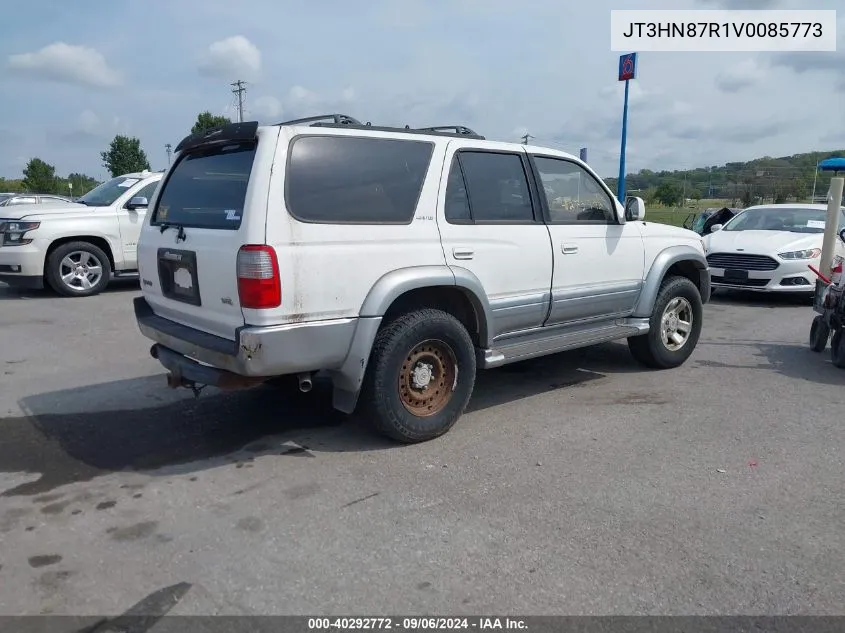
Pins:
x: 412, y: 390
x: 428, y: 377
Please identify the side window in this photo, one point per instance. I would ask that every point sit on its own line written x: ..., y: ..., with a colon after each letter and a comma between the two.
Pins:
x: 23, y: 200
x: 146, y: 191
x: 574, y: 196
x: 347, y: 179
x: 496, y: 189
x: 457, y: 200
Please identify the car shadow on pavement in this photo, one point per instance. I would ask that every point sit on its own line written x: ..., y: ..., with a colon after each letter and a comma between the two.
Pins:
x: 8, y: 293
x: 79, y: 434
x: 793, y: 361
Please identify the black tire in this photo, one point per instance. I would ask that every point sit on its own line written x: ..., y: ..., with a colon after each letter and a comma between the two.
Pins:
x: 837, y: 349
x: 649, y: 349
x: 443, y: 340
x: 89, y: 253
x: 819, y: 334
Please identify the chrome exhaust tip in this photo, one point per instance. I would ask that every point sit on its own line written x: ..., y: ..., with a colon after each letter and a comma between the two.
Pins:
x: 305, y: 383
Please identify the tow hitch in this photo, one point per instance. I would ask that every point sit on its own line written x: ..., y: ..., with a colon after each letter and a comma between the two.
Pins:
x: 186, y: 372
x: 174, y: 382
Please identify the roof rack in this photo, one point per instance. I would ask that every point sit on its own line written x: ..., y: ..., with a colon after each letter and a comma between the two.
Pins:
x: 460, y: 130
x: 344, y: 120
x: 337, y: 119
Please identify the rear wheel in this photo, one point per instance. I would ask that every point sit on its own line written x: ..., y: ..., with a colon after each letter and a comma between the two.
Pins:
x: 78, y: 269
x: 819, y: 333
x: 420, y: 376
x: 675, y: 326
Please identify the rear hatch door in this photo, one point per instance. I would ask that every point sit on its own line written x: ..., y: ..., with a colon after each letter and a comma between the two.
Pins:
x: 207, y: 207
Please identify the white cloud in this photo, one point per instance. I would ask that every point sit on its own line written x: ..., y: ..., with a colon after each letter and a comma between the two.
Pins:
x: 300, y: 94
x: 740, y: 76
x: 66, y: 63
x: 88, y: 121
x: 267, y: 107
x: 231, y: 58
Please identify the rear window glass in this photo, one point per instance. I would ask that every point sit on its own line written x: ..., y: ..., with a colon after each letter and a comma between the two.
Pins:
x: 344, y: 179
x: 207, y: 188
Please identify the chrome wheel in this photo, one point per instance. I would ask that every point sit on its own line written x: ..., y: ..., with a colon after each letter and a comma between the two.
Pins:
x: 676, y: 324
x: 80, y: 270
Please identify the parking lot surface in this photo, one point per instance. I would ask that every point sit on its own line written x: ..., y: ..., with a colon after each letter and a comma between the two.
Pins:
x: 575, y: 484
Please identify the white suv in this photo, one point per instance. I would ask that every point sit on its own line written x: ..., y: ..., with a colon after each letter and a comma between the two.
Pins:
x: 76, y: 247
x: 396, y: 261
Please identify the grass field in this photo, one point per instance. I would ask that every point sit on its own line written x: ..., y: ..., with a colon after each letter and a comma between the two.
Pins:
x: 677, y: 215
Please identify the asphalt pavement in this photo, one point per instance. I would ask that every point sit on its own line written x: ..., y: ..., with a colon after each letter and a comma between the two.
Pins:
x: 575, y: 484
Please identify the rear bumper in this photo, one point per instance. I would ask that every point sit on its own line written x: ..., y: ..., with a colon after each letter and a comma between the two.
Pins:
x: 257, y: 351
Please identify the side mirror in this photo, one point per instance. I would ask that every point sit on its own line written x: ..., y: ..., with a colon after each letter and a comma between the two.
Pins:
x: 716, y: 227
x: 842, y: 235
x: 634, y: 209
x: 138, y: 202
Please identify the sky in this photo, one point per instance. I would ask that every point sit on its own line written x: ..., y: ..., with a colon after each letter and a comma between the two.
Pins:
x: 74, y: 74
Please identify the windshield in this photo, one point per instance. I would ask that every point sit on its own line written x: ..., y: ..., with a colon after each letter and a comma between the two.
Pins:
x: 106, y: 193
x: 4, y: 197
x: 792, y: 220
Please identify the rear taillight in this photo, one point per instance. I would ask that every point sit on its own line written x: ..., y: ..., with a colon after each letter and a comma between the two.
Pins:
x: 259, y: 285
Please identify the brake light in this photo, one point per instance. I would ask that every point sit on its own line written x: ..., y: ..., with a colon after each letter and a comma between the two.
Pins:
x: 259, y: 285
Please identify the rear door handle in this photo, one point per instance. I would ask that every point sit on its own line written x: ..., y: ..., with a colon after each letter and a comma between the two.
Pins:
x: 461, y: 252
x: 569, y: 249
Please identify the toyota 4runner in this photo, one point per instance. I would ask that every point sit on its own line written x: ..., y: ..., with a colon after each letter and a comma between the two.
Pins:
x: 396, y: 261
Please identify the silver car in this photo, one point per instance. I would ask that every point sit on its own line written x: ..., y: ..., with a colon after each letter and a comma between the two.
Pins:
x: 10, y: 199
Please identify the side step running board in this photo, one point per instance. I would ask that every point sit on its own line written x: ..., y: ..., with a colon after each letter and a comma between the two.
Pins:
x: 552, y: 340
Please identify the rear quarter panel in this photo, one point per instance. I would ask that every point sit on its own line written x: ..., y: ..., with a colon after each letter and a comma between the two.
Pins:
x: 328, y: 269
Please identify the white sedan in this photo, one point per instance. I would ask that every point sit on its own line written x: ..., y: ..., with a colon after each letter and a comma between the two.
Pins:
x: 768, y: 248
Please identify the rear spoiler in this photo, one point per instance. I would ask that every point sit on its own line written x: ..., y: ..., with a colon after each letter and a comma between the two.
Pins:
x: 230, y: 133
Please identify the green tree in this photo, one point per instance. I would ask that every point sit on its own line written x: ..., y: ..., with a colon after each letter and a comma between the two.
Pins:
x: 668, y: 194
x: 124, y: 156
x: 39, y: 177
x: 207, y: 121
x: 81, y: 184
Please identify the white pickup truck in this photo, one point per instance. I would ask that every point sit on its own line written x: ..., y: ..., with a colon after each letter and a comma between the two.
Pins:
x: 77, y: 248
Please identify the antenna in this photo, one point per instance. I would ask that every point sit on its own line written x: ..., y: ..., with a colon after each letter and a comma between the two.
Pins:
x: 169, y: 149
x: 239, y: 89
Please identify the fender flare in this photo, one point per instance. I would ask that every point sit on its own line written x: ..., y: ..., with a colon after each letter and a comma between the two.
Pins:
x: 665, y: 259
x: 392, y: 285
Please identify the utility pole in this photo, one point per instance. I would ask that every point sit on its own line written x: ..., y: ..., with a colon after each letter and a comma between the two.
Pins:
x: 239, y: 89
x: 525, y: 138
x: 815, y: 177
x: 169, y: 149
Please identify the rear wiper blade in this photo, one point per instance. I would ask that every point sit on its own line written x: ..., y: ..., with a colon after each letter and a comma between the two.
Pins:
x: 180, y: 235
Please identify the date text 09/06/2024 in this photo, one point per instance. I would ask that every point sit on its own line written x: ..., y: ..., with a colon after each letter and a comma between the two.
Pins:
x: 415, y: 623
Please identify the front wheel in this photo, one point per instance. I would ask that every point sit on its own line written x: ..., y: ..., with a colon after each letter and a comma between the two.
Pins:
x: 420, y: 376
x: 78, y: 269
x: 675, y: 326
